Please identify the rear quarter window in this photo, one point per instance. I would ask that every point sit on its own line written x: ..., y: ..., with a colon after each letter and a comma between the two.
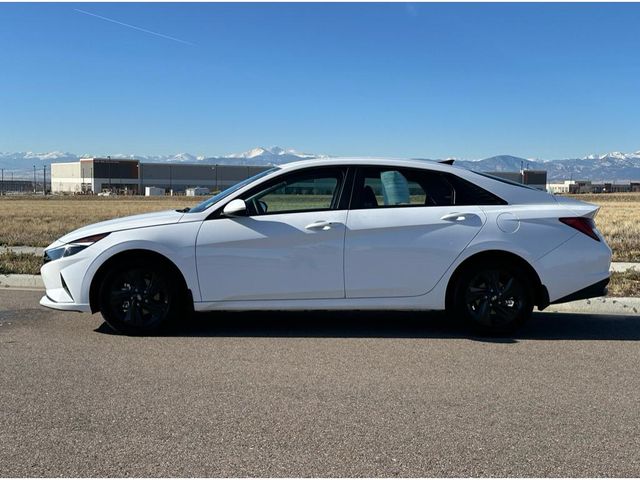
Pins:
x: 467, y: 193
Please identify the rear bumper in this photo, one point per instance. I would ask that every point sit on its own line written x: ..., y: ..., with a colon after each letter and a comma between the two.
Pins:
x: 578, y: 265
x: 598, y: 289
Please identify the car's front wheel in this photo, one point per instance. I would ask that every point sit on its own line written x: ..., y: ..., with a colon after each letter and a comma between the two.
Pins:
x: 493, y: 297
x: 138, y: 297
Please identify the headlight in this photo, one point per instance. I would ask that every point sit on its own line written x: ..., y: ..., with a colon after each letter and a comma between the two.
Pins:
x: 72, y: 248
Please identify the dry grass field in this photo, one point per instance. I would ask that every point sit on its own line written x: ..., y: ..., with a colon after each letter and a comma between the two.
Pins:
x: 37, y: 221
x: 19, y: 263
x: 619, y: 222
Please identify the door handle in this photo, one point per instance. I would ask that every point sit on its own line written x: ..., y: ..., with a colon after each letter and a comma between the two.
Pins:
x: 456, y: 217
x: 319, y: 225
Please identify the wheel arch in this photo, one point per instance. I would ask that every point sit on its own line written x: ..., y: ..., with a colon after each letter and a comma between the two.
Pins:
x: 541, y: 295
x: 136, y: 253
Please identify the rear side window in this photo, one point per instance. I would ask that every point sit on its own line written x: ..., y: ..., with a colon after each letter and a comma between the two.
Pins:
x: 387, y: 187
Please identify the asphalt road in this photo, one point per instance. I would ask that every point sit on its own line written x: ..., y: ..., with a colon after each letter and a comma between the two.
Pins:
x: 317, y: 395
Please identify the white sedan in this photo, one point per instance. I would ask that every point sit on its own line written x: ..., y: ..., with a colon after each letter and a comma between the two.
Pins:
x: 338, y: 234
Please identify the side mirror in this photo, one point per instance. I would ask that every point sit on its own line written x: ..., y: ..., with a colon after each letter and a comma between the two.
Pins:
x: 235, y: 208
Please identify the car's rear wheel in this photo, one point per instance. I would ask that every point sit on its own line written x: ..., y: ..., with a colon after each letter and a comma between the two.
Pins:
x: 493, y: 297
x: 138, y: 298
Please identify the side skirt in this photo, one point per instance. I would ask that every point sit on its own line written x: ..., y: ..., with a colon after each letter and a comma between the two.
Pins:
x: 321, y: 304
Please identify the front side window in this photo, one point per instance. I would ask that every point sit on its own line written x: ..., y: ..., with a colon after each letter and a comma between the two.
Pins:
x: 201, y: 207
x: 298, y: 192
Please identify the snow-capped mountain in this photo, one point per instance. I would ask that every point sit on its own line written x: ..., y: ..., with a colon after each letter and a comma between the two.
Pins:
x: 608, y: 166
x: 615, y: 156
x: 24, y: 161
x: 499, y: 163
x: 266, y: 156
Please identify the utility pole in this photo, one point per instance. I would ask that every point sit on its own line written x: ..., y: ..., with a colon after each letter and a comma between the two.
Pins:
x: 44, y: 180
x: 34, y: 180
x: 2, y: 191
x: 170, y: 180
x: 109, y: 159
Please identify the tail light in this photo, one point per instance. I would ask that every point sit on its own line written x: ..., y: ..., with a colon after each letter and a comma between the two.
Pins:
x: 585, y: 225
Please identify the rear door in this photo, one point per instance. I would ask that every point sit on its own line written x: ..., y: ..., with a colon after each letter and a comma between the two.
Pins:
x: 405, y: 228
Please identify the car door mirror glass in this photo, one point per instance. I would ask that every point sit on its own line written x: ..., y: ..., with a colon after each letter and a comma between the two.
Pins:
x: 235, y: 208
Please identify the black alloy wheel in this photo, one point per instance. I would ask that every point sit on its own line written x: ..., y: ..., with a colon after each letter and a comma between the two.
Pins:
x: 138, y: 298
x: 493, y: 298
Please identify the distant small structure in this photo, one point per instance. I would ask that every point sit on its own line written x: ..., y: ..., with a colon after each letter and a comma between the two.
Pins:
x: 197, y: 191
x: 153, y: 191
x: 588, y: 186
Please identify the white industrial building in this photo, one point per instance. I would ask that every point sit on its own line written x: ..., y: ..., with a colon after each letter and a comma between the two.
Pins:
x: 66, y: 177
x: 125, y: 176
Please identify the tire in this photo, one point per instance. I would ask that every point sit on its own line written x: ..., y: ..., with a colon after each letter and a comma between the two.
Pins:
x: 492, y: 297
x: 140, y: 297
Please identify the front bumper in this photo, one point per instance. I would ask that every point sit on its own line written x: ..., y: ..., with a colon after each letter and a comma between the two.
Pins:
x: 45, y: 301
x: 62, y: 280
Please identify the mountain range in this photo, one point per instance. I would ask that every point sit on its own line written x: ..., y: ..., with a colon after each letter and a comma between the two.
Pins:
x: 614, y: 166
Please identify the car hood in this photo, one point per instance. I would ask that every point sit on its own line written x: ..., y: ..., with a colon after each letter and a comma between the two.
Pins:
x: 124, y: 223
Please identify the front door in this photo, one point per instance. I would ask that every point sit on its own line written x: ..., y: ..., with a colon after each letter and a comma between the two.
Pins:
x: 290, y: 245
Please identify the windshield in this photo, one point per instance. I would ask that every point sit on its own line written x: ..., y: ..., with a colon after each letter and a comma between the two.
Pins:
x: 201, y: 207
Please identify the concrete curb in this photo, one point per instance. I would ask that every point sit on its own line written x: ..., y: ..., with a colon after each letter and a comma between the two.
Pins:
x: 38, y: 251
x: 600, y: 305
x: 16, y: 280
x: 624, y: 266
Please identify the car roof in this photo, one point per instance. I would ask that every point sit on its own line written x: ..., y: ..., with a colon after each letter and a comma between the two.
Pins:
x: 399, y: 162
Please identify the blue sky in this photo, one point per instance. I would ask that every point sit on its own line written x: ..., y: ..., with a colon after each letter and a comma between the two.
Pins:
x: 427, y: 80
